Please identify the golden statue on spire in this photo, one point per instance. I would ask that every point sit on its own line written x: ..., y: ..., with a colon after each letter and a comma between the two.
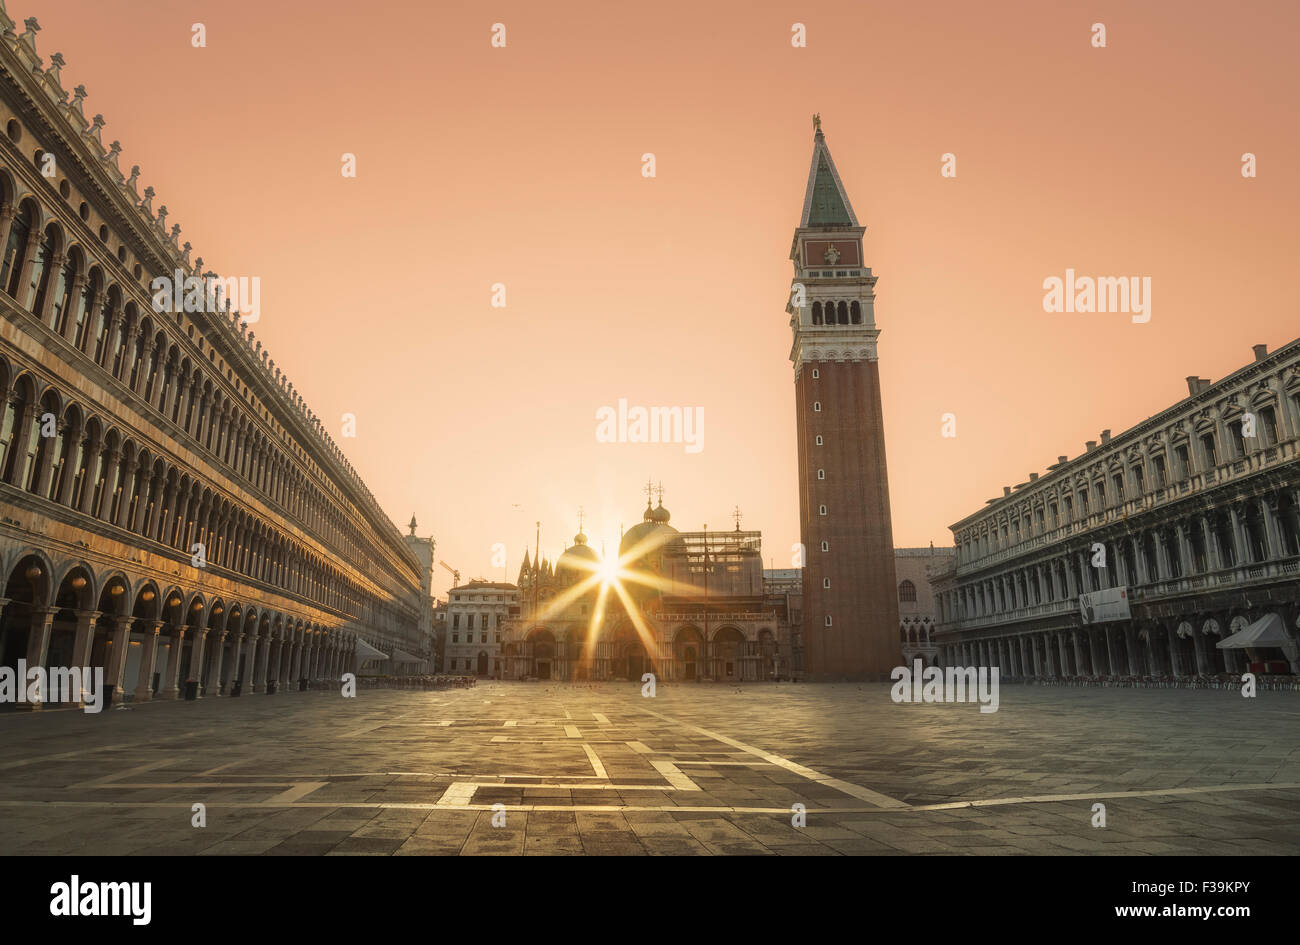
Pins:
x: 817, y: 122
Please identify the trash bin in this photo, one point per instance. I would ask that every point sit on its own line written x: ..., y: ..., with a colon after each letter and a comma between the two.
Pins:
x: 270, y: 687
x: 191, y: 690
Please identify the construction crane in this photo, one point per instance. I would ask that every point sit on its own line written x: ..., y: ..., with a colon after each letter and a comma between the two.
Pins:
x: 454, y: 573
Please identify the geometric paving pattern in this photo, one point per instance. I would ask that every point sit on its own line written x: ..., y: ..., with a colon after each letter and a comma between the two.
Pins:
x: 700, y: 769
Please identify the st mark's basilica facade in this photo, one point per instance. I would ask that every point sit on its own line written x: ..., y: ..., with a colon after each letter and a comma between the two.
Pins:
x: 694, y: 606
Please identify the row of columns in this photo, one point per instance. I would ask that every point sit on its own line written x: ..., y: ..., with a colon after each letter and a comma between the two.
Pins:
x: 302, y: 656
x: 1116, y: 650
x: 1129, y: 561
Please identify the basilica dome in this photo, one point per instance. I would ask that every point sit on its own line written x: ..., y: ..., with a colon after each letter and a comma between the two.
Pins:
x: 578, y: 561
x: 643, y: 547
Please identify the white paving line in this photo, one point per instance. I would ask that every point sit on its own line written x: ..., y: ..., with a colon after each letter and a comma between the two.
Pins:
x: 129, y: 772
x: 294, y: 793
x: 230, y: 764
x: 459, y: 801
x: 600, y: 719
x: 64, y: 755
x: 674, y: 776
x: 853, y: 790
x: 458, y: 794
x: 639, y: 748
x: 510, y: 723
x: 595, y: 761
x: 572, y: 731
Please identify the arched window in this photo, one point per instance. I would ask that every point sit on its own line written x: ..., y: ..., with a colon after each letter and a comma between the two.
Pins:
x: 843, y: 311
x: 855, y: 312
x: 817, y: 313
x: 907, y: 592
x: 38, y: 286
x: 20, y: 231
x: 63, y: 301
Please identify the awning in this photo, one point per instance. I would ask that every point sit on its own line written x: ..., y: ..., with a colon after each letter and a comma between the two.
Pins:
x: 401, y: 656
x: 367, y: 652
x: 1266, y: 631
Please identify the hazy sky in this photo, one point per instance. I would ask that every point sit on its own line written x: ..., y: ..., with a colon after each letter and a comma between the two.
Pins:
x: 479, y: 165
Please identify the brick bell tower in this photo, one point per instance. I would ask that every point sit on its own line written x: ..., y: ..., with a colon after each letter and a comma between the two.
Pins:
x: 850, y: 594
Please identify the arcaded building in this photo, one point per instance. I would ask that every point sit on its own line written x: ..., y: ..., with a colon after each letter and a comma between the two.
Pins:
x: 170, y: 509
x: 476, y: 615
x: 695, y: 606
x: 850, y: 604
x: 916, y: 606
x: 1142, y: 554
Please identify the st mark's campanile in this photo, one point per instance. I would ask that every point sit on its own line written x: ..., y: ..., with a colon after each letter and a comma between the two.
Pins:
x: 850, y: 596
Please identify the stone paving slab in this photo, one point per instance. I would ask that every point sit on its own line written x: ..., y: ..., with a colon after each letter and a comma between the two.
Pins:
x: 551, y: 769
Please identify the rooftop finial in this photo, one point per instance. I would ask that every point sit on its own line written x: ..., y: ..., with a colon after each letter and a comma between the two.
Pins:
x: 412, y: 525
x: 817, y: 122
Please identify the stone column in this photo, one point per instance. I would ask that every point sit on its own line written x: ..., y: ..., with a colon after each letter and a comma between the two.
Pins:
x: 38, y: 649
x: 169, y: 687
x: 82, y: 644
x: 269, y: 673
x: 1211, y: 545
x: 253, y: 677
x: 1095, y: 654
x: 213, y: 686
x: 1272, y: 535
x: 116, y: 670
x: 1078, y: 654
x: 1238, y: 541
x: 1115, y: 670
x: 1175, y: 657
x: 194, y: 673
x: 234, y: 669
x: 148, y: 656
x: 1198, y: 643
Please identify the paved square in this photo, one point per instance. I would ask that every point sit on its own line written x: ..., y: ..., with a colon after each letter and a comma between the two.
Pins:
x: 706, y: 768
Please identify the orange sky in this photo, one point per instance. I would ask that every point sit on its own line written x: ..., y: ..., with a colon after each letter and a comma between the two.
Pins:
x: 522, y: 165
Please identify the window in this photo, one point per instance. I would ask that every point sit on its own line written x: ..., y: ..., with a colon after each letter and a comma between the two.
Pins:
x: 817, y: 406
x: 821, y: 474
x: 455, y: 638
x: 907, y: 592
x: 1184, y: 461
x: 828, y: 620
x: 1238, y: 441
x: 1211, y: 454
x: 819, y: 439
x: 826, y: 583
x: 1161, y: 472
x: 1118, y: 479
x: 1267, y: 426
x: 1140, y: 479
x: 826, y: 546
x: 822, y: 510
x: 455, y: 621
x: 816, y: 374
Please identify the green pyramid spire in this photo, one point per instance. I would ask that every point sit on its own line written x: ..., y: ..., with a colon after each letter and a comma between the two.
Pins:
x: 825, y: 202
